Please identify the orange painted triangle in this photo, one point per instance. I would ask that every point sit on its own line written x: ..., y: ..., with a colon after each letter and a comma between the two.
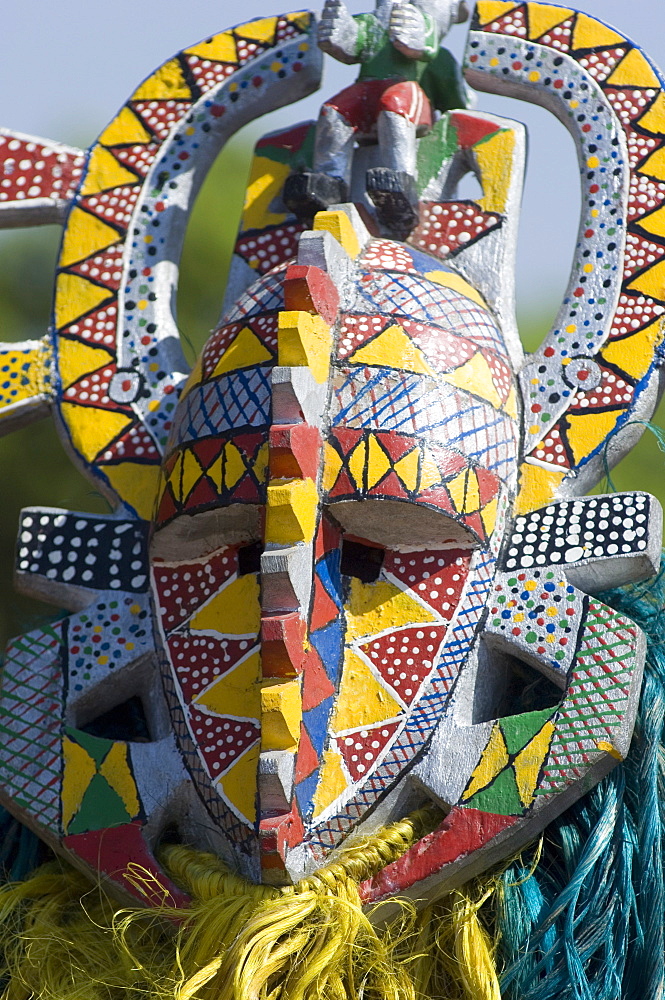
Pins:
x: 306, y: 760
x: 317, y: 686
x: 324, y: 609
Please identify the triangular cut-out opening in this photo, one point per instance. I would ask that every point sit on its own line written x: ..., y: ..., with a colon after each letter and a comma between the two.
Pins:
x: 507, y: 685
x: 126, y: 722
x: 249, y: 558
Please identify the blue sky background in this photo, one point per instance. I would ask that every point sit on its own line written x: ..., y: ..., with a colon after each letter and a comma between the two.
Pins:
x: 67, y: 66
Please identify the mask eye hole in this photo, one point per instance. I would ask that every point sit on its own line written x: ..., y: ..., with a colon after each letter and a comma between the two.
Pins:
x: 249, y: 558
x: 361, y: 560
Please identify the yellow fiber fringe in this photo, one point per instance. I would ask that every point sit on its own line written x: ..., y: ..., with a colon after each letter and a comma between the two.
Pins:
x: 62, y: 939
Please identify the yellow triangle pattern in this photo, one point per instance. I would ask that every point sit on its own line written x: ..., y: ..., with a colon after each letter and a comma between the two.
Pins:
x: 239, y: 784
x: 651, y: 282
x: 265, y: 183
x: 236, y: 693
x: 537, y: 487
x: 259, y: 31
x: 494, y: 759
x: 592, y: 34
x: 332, y: 466
x: 464, y: 492
x: 490, y: 10
x: 136, y: 484
x: 105, y: 172
x: 491, y: 156
x: 91, y: 430
x: 79, y: 770
x: 455, y: 281
x: 191, y: 473
x: 655, y: 165
x: 167, y: 84
x: 76, y: 359
x: 117, y: 772
x: 634, y: 355
x: 244, y: 351
x: 74, y: 297
x: 476, y: 377
x: 653, y: 120
x: 393, y: 349
x: 586, y: 432
x: 125, y: 128
x: 357, y: 462
x: 543, y: 17
x: 634, y: 70
x: 378, y: 462
x: 376, y: 607
x: 529, y: 761
x: 84, y: 236
x: 235, y: 610
x: 332, y: 781
x: 362, y: 700
x: 407, y: 469
x: 219, y: 48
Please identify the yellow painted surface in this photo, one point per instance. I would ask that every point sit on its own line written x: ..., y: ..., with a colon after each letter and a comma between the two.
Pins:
x: 362, y: 700
x: 191, y: 474
x: 291, y: 511
x: 235, y: 610
x: 74, y: 297
x: 609, y: 748
x: 655, y: 222
x: 265, y: 183
x: 430, y: 474
x: 260, y: 31
x: 538, y: 487
x: 591, y: 34
x: 494, y: 759
x: 475, y: 376
x: 126, y: 127
x: 76, y: 359
x: 357, y: 464
x: 332, y: 781
x: 339, y: 225
x: 634, y: 71
x: 79, y: 770
x: 654, y: 119
x: 586, y: 432
x: 304, y: 340
x: 166, y: 84
x: 378, y: 462
x: 634, y: 355
x: 281, y: 715
x: 495, y: 160
x: 489, y: 10
x: 85, y: 235
x: 529, y: 761
x: 91, y: 430
x: 136, y: 484
x: 116, y: 771
x: 194, y: 377
x: 332, y: 464
x: 219, y: 48
x: 245, y: 350
x: 239, y: 784
x: 407, y: 469
x: 489, y: 514
x: 23, y: 383
x: 105, y: 172
x: 464, y: 492
x: 375, y: 607
x: 544, y: 16
x: 510, y: 406
x: 654, y: 167
x: 652, y: 282
x: 236, y: 693
x: 457, y: 282
x: 393, y: 349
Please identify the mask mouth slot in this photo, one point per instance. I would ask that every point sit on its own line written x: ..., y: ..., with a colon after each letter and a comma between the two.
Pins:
x: 361, y: 560
x: 126, y: 722
x: 507, y: 684
x: 193, y: 536
x: 401, y: 524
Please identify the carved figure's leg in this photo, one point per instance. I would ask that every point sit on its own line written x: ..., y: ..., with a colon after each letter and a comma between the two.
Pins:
x: 405, y: 112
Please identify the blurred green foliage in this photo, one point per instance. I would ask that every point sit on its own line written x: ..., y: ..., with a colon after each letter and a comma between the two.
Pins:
x: 37, y: 471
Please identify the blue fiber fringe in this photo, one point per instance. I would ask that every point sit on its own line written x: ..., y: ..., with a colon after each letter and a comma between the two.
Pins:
x: 587, y: 921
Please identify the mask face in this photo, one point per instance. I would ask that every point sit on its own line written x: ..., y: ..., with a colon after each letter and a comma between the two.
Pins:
x: 399, y: 490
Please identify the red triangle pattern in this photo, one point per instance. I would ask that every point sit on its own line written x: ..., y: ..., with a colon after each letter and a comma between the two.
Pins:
x: 139, y: 157
x: 104, y: 268
x: 645, y: 195
x: 202, y: 495
x: 387, y: 256
x: 212, y: 658
x: 449, y: 462
x: 167, y: 508
x: 553, y: 450
x: 316, y: 683
x: 343, y: 486
x: 324, y: 609
x: 217, y: 345
x: 91, y: 390
x: 328, y: 537
x: 161, y: 117
x: 405, y: 657
x: 489, y: 485
x: 248, y: 490
x: 221, y: 740
x: 114, y: 206
x: 183, y: 587
x: 640, y: 146
x: 208, y: 74
x: 306, y: 759
x: 612, y: 392
x: 502, y: 376
x: 285, y: 31
x: 273, y: 246
x: 390, y: 486
x: 601, y: 64
x: 97, y: 328
x: 560, y: 37
x: 207, y: 451
x: 437, y: 578
x: 475, y: 523
x: 641, y: 254
x: 249, y: 48
x: 471, y: 128
x: 628, y: 103
x: 443, y: 223
x: 515, y: 20
x: 443, y: 352
x: 396, y: 446
x: 357, y: 330
x: 135, y: 444
x: 360, y: 751
x: 634, y: 309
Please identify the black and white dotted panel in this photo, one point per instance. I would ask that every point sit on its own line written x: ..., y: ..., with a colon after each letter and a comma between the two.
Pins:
x: 82, y: 550
x: 616, y: 526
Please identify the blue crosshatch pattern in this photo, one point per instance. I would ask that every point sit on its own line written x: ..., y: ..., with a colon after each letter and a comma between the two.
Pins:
x: 265, y: 296
x: 230, y: 403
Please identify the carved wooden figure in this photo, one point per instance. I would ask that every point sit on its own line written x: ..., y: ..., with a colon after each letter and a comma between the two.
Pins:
x: 352, y: 563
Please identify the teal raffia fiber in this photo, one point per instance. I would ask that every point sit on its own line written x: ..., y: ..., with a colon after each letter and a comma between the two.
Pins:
x: 587, y: 921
